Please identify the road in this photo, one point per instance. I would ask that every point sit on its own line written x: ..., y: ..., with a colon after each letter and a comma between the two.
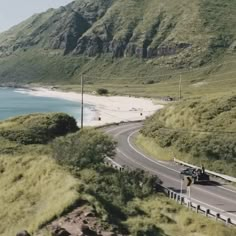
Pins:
x: 217, y: 197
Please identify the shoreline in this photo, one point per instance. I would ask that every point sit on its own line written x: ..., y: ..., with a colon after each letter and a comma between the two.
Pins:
x: 107, y: 109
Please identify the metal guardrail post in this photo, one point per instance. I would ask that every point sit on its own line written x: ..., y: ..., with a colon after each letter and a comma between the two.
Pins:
x: 197, y: 208
x: 217, y: 216
x: 177, y: 197
x: 228, y: 221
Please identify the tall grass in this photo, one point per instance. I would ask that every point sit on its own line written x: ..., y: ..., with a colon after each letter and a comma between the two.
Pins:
x: 171, y: 219
x: 34, y: 190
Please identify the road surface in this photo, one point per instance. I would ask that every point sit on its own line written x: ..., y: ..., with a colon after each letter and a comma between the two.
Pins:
x: 217, y: 197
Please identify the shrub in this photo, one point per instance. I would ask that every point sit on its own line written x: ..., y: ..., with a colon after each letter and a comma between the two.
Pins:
x: 102, y: 91
x: 150, y: 82
x: 85, y: 148
x: 38, y: 128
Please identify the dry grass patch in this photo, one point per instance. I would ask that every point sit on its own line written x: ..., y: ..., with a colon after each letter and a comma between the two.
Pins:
x: 34, y: 190
x: 172, y: 219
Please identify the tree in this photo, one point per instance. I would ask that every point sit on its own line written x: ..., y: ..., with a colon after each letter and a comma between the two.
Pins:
x: 85, y: 148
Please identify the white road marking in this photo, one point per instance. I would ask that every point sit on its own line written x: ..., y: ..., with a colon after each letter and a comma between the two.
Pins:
x: 122, y: 131
x: 203, y: 203
x: 227, y: 189
x: 158, y: 163
x: 153, y: 161
x: 120, y: 126
x: 147, y: 168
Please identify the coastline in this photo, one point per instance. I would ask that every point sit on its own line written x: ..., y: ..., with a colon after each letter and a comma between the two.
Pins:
x: 107, y: 109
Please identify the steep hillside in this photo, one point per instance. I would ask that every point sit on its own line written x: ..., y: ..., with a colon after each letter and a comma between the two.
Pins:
x: 197, y: 131
x: 92, y: 34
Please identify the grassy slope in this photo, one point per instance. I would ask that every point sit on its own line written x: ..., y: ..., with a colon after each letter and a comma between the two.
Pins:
x: 172, y: 219
x: 198, y: 131
x: 32, y: 185
x: 34, y: 190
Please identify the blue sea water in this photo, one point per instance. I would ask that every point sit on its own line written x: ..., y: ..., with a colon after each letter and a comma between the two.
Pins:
x: 14, y: 103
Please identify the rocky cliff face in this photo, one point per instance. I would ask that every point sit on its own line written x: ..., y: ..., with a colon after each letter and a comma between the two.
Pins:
x: 141, y: 28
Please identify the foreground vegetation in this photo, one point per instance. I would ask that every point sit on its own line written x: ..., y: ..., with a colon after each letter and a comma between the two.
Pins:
x: 38, y: 185
x: 34, y: 190
x: 197, y: 131
x: 47, y: 165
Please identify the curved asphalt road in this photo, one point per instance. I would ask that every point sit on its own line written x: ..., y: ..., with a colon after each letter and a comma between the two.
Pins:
x: 221, y: 199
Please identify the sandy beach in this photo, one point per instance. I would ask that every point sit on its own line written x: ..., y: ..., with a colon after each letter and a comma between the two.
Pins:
x: 105, y: 109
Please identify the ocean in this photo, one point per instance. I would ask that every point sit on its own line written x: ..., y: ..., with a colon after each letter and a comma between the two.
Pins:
x: 15, y: 102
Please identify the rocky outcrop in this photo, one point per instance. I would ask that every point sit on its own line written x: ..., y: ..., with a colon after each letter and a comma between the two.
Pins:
x: 118, y: 28
x: 81, y: 222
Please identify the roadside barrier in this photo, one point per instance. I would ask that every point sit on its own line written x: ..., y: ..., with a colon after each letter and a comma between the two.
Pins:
x: 184, y: 200
x: 206, y: 211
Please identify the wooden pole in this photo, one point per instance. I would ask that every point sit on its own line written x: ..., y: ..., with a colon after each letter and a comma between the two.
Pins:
x: 82, y: 102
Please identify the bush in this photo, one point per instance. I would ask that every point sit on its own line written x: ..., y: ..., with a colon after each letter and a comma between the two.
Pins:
x: 85, y: 148
x: 150, y: 82
x: 102, y: 91
x: 38, y: 128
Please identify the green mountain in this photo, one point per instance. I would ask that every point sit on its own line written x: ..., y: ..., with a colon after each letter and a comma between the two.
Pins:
x: 61, y: 43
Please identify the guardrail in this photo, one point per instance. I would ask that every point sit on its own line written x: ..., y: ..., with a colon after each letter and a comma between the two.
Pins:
x: 112, y: 163
x: 183, y: 200
x: 226, y: 177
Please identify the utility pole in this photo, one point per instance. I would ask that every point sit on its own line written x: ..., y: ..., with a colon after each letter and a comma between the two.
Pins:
x: 82, y: 103
x: 180, y: 87
x: 189, y: 194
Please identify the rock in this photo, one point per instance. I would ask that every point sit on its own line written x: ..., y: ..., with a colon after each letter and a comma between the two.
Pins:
x: 59, y: 231
x: 87, y: 231
x: 23, y: 233
x: 85, y: 222
x: 89, y: 214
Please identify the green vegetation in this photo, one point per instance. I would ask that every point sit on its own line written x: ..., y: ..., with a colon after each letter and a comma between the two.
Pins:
x: 102, y: 91
x: 197, y: 131
x: 83, y: 149
x: 115, y: 47
x: 37, y: 128
x: 34, y: 190
x: 37, y: 187
x: 139, y: 48
x: 150, y: 147
x: 172, y: 220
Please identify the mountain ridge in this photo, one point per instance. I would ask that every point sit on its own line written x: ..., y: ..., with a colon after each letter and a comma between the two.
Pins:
x: 178, y: 34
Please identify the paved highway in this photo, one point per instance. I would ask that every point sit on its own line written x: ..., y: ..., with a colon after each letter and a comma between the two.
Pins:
x: 220, y: 198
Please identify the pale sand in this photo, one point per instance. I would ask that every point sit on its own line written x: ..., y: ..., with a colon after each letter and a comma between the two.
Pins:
x: 110, y: 109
